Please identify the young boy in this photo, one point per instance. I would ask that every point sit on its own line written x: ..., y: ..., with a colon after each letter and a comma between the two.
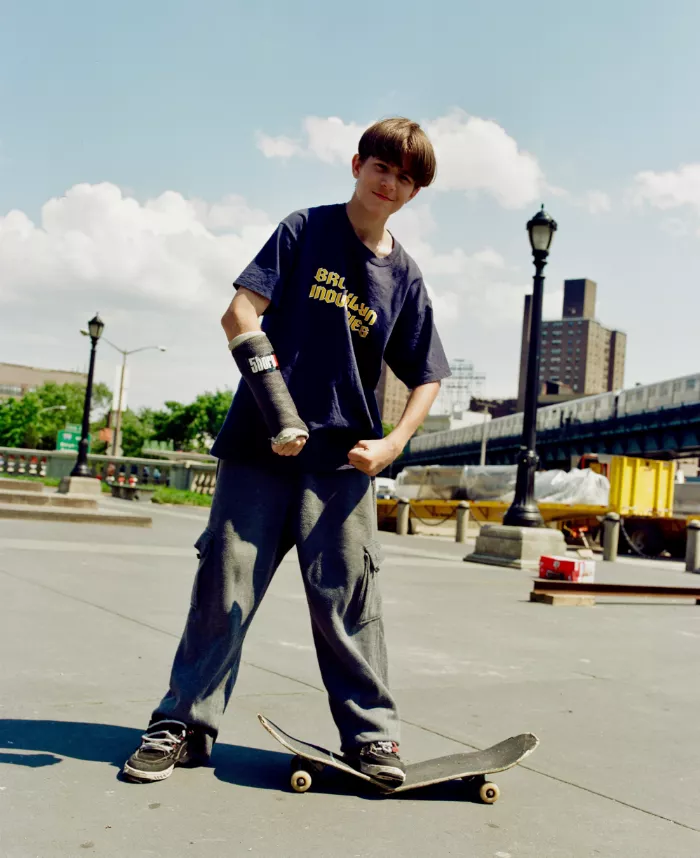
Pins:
x: 298, y: 452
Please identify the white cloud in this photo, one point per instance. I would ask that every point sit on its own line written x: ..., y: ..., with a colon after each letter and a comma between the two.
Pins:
x: 675, y: 227
x: 166, y: 250
x: 160, y: 271
x: 232, y: 213
x: 477, y: 154
x: 330, y: 140
x: 278, y: 147
x: 668, y: 190
x: 597, y: 202
x: 474, y: 154
x: 446, y: 304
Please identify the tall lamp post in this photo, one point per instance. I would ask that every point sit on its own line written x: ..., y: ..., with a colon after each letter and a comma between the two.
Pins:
x: 81, y: 469
x: 125, y: 353
x: 524, y: 512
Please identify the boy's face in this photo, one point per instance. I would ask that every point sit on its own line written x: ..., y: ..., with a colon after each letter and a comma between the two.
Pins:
x: 382, y: 187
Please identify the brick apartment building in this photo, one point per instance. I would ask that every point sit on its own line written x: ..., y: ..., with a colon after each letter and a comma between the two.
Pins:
x: 576, y: 351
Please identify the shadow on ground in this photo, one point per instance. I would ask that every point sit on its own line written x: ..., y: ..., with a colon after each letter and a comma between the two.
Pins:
x: 37, y: 744
x: 51, y: 741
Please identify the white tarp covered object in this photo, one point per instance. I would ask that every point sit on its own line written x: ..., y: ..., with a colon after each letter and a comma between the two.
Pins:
x: 429, y: 481
x: 497, y: 482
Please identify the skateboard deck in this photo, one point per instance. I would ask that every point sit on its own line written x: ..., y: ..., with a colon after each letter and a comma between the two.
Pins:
x: 472, y: 766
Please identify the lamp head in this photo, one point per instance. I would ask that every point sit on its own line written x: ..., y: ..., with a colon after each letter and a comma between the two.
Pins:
x: 96, y: 326
x: 541, y: 229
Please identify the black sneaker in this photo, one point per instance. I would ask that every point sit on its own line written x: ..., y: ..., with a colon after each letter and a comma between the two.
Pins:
x: 164, y: 745
x: 381, y: 761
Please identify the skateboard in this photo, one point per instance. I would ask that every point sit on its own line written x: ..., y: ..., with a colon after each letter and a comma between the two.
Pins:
x: 471, y: 767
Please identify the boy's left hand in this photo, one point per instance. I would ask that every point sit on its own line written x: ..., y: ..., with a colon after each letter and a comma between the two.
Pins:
x: 373, y: 456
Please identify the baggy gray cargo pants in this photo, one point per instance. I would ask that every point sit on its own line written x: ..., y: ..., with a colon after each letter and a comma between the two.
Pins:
x: 257, y: 515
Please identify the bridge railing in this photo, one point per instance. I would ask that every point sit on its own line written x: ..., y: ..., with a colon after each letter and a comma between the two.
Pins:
x: 196, y: 474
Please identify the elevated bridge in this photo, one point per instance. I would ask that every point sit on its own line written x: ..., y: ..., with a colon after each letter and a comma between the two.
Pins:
x: 668, y: 433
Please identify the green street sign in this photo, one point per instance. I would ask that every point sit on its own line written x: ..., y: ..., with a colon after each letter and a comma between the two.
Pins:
x: 73, y: 427
x: 70, y: 440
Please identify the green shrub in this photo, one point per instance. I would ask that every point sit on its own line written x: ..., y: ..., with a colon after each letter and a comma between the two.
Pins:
x: 47, y: 481
x: 179, y: 496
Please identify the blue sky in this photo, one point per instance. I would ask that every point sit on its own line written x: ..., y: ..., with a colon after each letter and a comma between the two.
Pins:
x: 146, y: 151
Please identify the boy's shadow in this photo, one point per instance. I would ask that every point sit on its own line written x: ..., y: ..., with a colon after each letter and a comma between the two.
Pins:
x: 37, y: 744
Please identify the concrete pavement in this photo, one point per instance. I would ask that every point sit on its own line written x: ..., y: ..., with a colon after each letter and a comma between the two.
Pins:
x: 89, y: 620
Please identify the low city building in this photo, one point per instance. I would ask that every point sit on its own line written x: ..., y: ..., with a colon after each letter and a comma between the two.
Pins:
x: 16, y: 379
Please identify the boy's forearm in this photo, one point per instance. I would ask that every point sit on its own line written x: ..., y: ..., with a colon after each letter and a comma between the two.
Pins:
x: 415, y: 412
x: 259, y: 368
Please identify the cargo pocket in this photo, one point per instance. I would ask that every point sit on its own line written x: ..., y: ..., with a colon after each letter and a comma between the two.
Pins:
x: 202, y: 547
x: 370, y: 597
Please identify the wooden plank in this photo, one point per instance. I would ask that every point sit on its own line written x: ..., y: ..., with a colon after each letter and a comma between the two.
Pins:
x: 563, y: 599
x: 542, y: 585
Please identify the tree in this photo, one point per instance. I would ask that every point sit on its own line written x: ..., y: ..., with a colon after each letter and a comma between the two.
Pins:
x: 173, y: 423
x: 35, y: 419
x: 137, y: 429
x: 192, y: 427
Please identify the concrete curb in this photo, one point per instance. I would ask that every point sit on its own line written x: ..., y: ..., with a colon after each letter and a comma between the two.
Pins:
x: 21, y: 485
x: 46, y: 499
x: 78, y: 516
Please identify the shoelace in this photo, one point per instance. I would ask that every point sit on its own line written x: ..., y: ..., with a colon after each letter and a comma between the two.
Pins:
x: 162, y: 740
x: 385, y: 747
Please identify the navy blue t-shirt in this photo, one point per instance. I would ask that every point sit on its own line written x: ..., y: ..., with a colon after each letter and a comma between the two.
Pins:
x: 336, y: 310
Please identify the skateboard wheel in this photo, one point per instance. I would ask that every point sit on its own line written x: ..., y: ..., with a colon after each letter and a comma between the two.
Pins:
x: 301, y: 781
x: 489, y: 793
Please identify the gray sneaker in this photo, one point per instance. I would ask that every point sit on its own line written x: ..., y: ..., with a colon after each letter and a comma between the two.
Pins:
x: 381, y: 761
x: 164, y: 745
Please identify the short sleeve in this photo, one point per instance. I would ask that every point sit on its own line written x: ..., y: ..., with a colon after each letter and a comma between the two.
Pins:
x: 414, y: 351
x: 275, y: 262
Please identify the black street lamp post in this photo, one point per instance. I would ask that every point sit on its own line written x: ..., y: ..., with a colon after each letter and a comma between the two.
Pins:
x: 81, y: 469
x: 524, y: 512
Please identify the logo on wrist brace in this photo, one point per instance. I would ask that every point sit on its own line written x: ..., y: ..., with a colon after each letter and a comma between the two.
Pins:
x: 264, y: 363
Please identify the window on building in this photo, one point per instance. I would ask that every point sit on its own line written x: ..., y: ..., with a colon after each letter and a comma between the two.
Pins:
x: 10, y: 390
